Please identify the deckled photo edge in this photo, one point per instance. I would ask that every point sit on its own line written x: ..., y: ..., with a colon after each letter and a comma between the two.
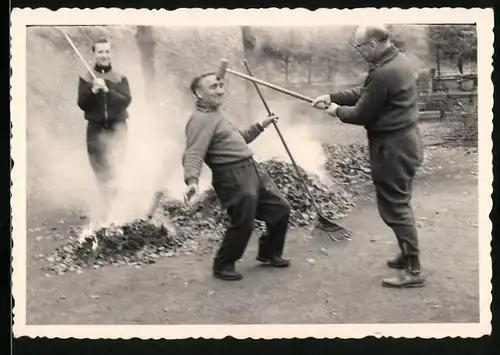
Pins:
x: 24, y: 17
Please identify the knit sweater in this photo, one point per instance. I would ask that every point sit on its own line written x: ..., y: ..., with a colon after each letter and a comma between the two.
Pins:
x: 388, y: 100
x: 213, y: 139
x: 112, y: 105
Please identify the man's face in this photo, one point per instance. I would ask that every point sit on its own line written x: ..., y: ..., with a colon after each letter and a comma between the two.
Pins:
x: 211, y: 90
x: 367, y: 49
x: 102, y: 54
x: 365, y: 46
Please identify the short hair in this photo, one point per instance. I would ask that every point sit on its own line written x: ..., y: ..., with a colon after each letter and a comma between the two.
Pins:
x: 100, y: 40
x: 195, y: 83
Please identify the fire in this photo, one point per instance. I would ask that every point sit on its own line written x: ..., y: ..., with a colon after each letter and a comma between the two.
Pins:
x: 87, y: 236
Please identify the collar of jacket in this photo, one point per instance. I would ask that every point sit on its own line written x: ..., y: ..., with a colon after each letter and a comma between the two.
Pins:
x: 386, y: 56
x: 205, y: 108
x: 102, y: 68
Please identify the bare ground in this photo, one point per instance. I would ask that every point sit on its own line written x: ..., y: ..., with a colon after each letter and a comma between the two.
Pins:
x: 339, y: 286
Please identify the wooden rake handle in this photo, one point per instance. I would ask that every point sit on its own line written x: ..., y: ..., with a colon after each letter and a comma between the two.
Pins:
x: 302, y: 179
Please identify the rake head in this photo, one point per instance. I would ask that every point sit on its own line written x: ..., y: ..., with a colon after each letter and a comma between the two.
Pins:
x: 335, y: 232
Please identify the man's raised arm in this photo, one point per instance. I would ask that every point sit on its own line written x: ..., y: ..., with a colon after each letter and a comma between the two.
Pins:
x: 256, y: 129
x: 119, y: 94
x: 369, y: 104
x: 87, y: 100
x: 347, y: 97
x: 252, y: 132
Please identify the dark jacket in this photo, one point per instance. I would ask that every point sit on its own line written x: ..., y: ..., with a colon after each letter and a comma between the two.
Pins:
x: 113, y: 104
x: 387, y: 102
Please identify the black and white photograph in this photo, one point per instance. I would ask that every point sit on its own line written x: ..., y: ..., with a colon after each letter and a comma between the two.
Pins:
x: 251, y: 173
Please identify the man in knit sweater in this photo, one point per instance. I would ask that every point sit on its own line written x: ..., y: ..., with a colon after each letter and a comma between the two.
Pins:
x: 387, y: 107
x: 104, y: 101
x: 246, y: 193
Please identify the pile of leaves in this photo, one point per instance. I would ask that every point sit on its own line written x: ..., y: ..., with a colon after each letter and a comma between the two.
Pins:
x: 209, y: 214
x: 348, y: 164
x: 333, y: 203
x: 204, y: 222
x: 198, y: 227
x: 138, y: 242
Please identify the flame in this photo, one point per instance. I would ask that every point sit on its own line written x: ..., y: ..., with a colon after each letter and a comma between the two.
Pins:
x: 87, y: 235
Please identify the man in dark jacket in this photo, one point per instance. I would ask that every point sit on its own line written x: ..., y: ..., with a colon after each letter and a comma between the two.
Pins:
x: 104, y: 101
x: 387, y: 107
x: 245, y: 192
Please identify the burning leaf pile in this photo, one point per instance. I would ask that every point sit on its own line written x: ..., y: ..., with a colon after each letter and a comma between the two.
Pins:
x: 197, y: 228
x: 138, y: 242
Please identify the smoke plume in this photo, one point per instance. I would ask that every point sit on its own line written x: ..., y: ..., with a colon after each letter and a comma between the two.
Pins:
x: 59, y: 173
x: 301, y: 133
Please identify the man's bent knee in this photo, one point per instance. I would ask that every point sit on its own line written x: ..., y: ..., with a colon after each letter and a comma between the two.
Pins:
x: 242, y: 209
x: 282, y: 212
x: 287, y: 208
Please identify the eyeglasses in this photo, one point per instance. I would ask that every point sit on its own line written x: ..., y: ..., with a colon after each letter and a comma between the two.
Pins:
x: 359, y: 45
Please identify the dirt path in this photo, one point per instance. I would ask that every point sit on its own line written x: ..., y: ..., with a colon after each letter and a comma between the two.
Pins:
x: 340, y: 286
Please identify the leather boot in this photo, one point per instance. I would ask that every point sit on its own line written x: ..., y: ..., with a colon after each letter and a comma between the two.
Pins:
x: 410, y: 277
x: 276, y: 261
x: 399, y: 262
x: 267, y: 256
x: 227, y: 273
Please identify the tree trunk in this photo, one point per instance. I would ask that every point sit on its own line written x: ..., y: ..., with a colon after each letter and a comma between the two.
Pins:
x: 438, y: 62
x: 146, y: 42
x: 287, y: 60
x: 329, y: 72
x: 460, y: 64
x: 309, y: 74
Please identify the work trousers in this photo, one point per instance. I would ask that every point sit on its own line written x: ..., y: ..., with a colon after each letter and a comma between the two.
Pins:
x: 394, y: 160
x: 248, y: 195
x: 106, y: 148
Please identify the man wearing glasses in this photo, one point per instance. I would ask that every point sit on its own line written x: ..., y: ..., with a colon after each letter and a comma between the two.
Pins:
x: 386, y: 105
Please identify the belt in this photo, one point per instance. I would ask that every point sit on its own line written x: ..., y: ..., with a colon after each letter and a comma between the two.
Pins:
x: 232, y: 165
x: 381, y: 134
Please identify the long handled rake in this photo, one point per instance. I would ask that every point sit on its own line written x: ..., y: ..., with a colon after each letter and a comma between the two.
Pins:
x: 334, y: 231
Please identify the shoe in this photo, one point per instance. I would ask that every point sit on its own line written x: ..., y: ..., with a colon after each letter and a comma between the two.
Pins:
x: 228, y: 274
x: 406, y: 279
x: 276, y: 261
x: 398, y: 262
x: 410, y: 277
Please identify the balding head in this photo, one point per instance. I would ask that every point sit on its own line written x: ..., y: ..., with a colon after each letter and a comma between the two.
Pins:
x: 371, y: 40
x: 371, y: 33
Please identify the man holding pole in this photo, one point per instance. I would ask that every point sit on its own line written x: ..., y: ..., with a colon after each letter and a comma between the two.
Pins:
x: 104, y: 96
x: 246, y: 193
x: 387, y: 107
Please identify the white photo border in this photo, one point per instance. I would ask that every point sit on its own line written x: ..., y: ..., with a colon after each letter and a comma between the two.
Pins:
x: 21, y: 18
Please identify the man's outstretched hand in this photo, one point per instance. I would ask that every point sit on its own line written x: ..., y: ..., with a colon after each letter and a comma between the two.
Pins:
x: 322, y: 102
x: 332, y: 109
x: 272, y: 118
